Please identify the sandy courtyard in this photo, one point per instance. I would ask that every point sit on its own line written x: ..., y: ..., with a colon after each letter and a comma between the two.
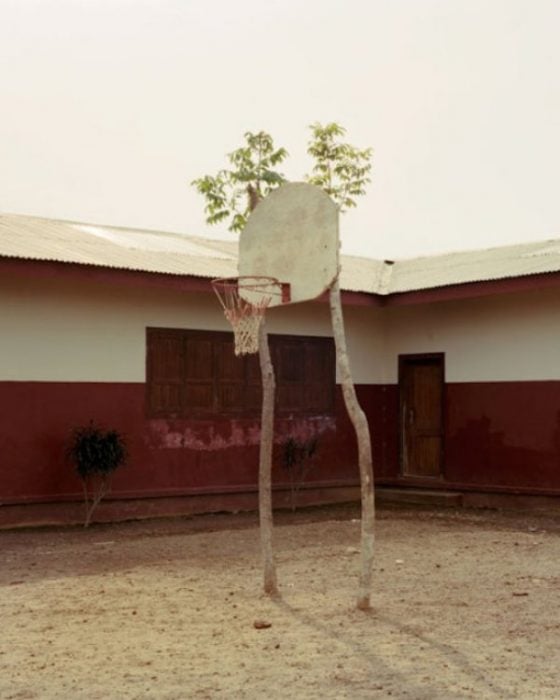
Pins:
x: 467, y: 605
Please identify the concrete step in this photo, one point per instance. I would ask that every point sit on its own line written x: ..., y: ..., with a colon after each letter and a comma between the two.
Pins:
x: 445, y: 499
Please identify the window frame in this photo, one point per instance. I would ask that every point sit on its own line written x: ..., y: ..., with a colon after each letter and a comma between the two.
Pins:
x: 315, y: 396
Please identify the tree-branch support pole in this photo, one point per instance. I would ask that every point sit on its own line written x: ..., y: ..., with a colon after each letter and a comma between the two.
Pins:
x: 359, y: 421
x: 265, y: 462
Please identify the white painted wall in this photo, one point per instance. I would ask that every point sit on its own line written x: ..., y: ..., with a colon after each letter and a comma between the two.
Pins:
x: 57, y: 331
x: 365, y: 334
x: 512, y: 337
x: 53, y: 330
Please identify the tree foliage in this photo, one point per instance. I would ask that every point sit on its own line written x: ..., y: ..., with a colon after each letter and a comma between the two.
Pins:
x: 232, y: 193
x: 341, y: 169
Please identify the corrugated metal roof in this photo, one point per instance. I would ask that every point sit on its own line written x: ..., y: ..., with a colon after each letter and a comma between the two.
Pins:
x: 361, y: 274
x: 108, y: 246
x: 476, y: 266
x: 177, y: 254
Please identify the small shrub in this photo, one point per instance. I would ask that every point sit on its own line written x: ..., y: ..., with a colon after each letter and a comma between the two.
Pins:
x: 96, y: 453
x: 297, y: 460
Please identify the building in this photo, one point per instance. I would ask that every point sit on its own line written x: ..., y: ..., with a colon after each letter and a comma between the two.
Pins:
x: 456, y: 360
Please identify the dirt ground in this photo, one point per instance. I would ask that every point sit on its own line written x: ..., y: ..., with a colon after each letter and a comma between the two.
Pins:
x: 466, y: 605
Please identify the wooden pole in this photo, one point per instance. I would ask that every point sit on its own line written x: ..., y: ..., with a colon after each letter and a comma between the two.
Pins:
x: 265, y: 463
x: 265, y: 452
x: 361, y: 428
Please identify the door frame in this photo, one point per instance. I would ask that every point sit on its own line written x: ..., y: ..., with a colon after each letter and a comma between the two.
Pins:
x: 403, y: 360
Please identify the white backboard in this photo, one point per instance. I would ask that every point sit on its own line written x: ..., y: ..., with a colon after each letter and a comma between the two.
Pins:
x: 292, y: 235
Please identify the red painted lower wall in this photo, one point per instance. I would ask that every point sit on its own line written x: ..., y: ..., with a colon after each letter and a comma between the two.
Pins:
x: 502, y: 436
x: 167, y: 457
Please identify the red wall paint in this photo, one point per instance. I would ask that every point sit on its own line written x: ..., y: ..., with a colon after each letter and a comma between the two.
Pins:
x: 498, y: 435
x: 166, y: 457
x: 78, y: 272
x: 473, y: 290
x: 504, y: 434
x: 380, y: 404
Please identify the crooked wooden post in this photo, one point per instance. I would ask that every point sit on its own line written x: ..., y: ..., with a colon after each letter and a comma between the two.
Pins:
x: 361, y: 427
x: 265, y: 462
x: 265, y: 451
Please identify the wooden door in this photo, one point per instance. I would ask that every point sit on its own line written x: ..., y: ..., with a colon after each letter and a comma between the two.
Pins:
x: 421, y: 381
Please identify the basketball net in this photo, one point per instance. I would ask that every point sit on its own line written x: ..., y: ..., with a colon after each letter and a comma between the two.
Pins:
x: 245, y: 300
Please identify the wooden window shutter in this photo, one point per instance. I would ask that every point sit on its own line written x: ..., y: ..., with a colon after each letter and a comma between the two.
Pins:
x: 229, y: 377
x: 165, y: 373
x: 253, y: 384
x: 290, y: 372
x: 191, y: 373
x: 320, y: 375
x: 199, y: 374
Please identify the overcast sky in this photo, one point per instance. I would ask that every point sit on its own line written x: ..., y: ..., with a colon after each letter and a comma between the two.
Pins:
x: 109, y: 108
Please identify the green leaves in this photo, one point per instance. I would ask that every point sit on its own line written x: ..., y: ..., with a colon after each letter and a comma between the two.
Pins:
x: 252, y: 169
x: 341, y: 169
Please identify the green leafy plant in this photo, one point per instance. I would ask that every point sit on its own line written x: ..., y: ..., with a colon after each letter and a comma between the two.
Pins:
x: 234, y: 193
x: 96, y: 454
x: 297, y: 460
x: 341, y: 169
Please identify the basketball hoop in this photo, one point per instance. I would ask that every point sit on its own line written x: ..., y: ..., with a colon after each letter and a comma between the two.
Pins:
x: 244, y: 300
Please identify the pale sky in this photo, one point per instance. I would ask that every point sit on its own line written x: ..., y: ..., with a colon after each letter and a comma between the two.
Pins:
x: 109, y: 108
